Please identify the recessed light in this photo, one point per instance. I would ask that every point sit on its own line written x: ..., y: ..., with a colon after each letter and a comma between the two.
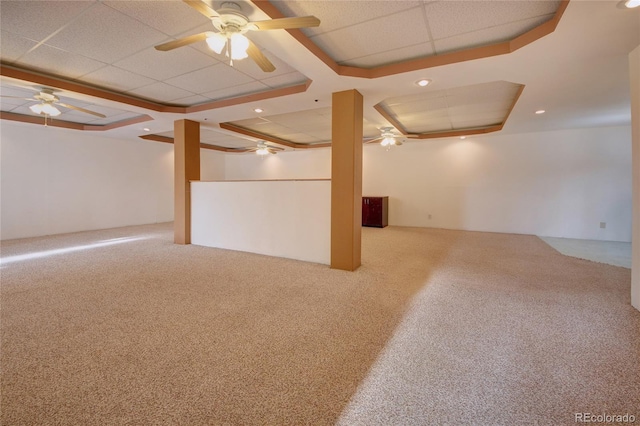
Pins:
x: 630, y: 4
x: 422, y: 83
x: 258, y: 110
x: 540, y: 111
x: 463, y: 137
x: 146, y: 129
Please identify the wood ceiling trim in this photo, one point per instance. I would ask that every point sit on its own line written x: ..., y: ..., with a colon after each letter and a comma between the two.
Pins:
x: 167, y: 139
x: 421, y: 63
x: 449, y: 133
x: 38, y: 119
x: 391, y: 119
x: 252, y: 133
x: 61, y: 83
x: 252, y: 97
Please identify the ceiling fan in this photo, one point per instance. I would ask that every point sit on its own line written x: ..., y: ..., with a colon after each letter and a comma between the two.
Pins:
x: 47, y: 103
x: 231, y: 25
x: 387, y: 138
x: 263, y: 149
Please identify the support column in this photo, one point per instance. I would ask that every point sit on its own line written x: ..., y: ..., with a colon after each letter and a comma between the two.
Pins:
x: 634, y: 73
x: 346, y: 180
x: 187, y: 168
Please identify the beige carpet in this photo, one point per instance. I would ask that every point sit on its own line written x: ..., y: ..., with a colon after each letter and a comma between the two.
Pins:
x: 436, y: 327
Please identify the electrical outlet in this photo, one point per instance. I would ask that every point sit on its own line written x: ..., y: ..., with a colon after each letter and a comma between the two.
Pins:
x: 603, y: 225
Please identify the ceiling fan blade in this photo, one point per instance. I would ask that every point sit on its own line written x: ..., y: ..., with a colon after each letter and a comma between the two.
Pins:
x: 287, y: 23
x: 202, y: 8
x: 18, y: 97
x: 258, y: 57
x: 398, y: 142
x: 86, y: 111
x: 374, y: 140
x: 183, y: 41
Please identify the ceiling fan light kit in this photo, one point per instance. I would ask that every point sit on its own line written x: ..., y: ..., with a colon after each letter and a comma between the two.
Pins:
x: 231, y: 25
x: 263, y: 149
x: 45, y: 109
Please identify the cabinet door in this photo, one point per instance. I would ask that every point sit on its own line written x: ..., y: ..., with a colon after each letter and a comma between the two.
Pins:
x: 366, y: 212
x: 372, y: 211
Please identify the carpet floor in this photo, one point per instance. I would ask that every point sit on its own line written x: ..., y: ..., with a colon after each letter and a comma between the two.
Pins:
x: 121, y: 326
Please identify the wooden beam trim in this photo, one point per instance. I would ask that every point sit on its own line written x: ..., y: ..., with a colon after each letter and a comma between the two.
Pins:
x: 35, y: 119
x: 421, y: 63
x: 267, y: 7
x: 462, y: 132
x: 253, y: 97
x: 391, y: 119
x: 540, y: 31
x: 252, y: 133
x: 60, y: 83
x: 167, y: 139
x: 57, y: 82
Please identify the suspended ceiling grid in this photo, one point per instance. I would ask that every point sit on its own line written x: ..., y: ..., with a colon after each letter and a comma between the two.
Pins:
x: 110, y: 44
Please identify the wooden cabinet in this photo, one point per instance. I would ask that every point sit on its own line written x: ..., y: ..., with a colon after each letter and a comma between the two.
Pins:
x: 375, y: 211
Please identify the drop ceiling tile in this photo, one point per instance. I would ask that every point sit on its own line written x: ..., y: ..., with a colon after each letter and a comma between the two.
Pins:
x: 475, y: 123
x: 375, y: 36
x: 117, y: 79
x: 11, y: 104
x: 164, y: 65
x: 284, y: 80
x: 240, y: 90
x: 450, y: 18
x: 392, y: 56
x: 116, y: 118
x: 487, y: 36
x: 191, y: 100
x: 303, y: 138
x: 9, y: 90
x: 431, y: 125
x: 161, y: 92
x: 13, y: 46
x: 250, y: 68
x: 36, y: 23
x: 341, y: 14
x: 206, y: 80
x: 419, y: 105
x: 170, y: 17
x: 250, y: 122
x: 111, y: 113
x: 105, y: 34
x: 51, y: 60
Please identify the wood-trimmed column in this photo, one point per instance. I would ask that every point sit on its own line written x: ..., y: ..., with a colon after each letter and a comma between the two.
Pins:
x: 346, y: 180
x: 634, y: 73
x: 187, y: 168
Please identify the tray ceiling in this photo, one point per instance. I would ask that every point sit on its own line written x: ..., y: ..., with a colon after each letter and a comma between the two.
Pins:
x: 21, y: 103
x: 376, y: 34
x: 110, y: 45
x: 460, y: 108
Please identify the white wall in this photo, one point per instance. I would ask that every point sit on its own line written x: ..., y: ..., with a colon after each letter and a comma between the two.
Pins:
x: 278, y: 218
x: 634, y: 73
x: 211, y: 165
x: 302, y: 164
x: 561, y: 183
x: 57, y: 180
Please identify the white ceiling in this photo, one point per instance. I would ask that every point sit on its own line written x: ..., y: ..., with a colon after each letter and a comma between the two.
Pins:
x: 579, y: 73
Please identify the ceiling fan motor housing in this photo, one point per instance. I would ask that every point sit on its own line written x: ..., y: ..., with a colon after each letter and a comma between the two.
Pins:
x: 231, y: 19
